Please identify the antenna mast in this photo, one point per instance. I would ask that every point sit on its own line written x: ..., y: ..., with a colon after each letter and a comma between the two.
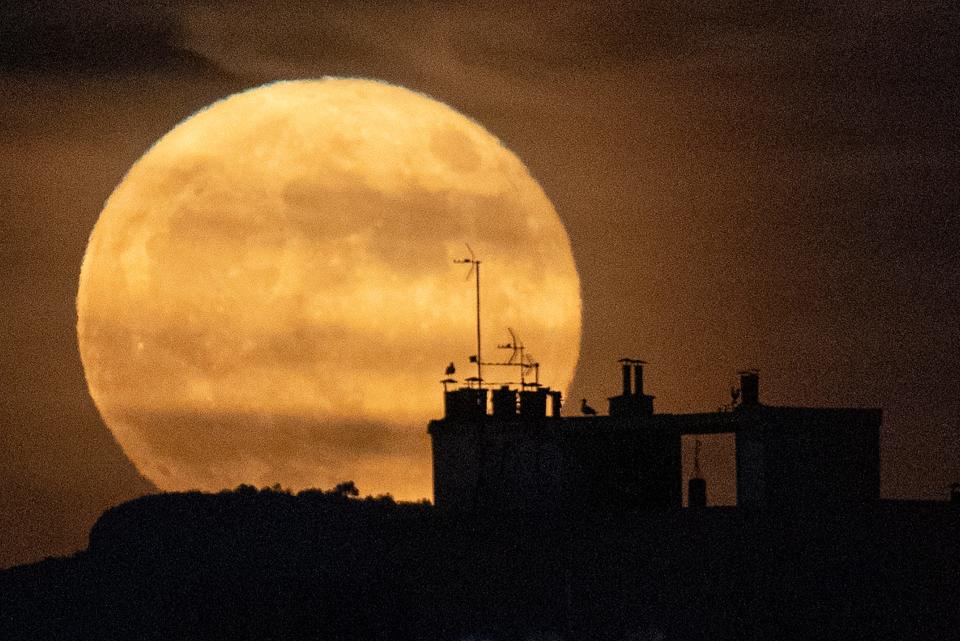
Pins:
x: 475, y: 269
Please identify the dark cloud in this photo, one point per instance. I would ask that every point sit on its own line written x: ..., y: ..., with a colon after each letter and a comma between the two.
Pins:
x: 46, y: 36
x: 849, y: 74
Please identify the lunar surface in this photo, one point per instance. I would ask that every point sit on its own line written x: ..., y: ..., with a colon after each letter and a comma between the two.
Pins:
x: 270, y: 294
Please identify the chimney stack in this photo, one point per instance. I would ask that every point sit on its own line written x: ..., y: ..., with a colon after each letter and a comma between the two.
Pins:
x: 750, y: 388
x: 632, y: 401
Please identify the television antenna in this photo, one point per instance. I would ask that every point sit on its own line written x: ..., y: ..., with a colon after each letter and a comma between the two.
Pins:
x: 521, y: 359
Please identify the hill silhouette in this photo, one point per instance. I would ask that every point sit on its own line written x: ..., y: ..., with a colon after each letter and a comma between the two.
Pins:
x: 270, y: 565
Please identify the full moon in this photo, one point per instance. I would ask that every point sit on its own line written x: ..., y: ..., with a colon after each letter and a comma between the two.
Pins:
x: 270, y: 294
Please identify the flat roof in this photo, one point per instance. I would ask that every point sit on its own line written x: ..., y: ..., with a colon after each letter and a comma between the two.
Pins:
x: 696, y: 423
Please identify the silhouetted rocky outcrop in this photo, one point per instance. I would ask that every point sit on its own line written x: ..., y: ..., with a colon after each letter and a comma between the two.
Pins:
x: 266, y: 564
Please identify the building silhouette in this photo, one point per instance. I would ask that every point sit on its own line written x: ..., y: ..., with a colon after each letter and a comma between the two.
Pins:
x: 809, y: 554
x: 517, y: 453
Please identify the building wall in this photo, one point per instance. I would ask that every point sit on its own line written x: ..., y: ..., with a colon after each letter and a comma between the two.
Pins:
x: 787, y: 459
x: 455, y: 464
x: 553, y: 466
x: 751, y: 469
x: 521, y: 463
x: 625, y: 469
x: 809, y: 459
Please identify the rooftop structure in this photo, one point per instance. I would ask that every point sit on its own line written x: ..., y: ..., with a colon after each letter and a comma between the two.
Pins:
x: 515, y: 452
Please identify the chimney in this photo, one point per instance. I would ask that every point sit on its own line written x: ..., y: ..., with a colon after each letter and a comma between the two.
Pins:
x: 750, y: 388
x: 637, y: 379
x: 556, y: 402
x: 504, y: 402
x: 632, y: 401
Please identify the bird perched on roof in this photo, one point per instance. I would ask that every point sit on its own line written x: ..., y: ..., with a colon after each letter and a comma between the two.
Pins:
x: 451, y: 369
x: 586, y: 410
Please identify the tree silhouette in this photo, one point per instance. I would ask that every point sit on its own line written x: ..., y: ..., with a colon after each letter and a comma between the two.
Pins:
x: 347, y: 488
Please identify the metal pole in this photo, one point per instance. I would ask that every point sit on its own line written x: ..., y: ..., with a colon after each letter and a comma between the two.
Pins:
x: 479, y: 375
x: 475, y: 264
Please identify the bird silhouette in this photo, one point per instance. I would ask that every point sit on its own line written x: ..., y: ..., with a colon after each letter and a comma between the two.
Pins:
x: 586, y: 410
x: 451, y: 369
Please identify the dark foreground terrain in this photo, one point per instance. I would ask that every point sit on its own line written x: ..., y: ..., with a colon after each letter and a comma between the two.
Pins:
x: 268, y: 565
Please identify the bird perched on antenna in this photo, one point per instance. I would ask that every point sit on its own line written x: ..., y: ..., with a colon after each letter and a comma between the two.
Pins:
x: 451, y: 369
x: 586, y: 410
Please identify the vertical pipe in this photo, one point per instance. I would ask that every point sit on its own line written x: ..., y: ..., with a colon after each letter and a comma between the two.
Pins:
x: 638, y: 379
x: 626, y: 379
